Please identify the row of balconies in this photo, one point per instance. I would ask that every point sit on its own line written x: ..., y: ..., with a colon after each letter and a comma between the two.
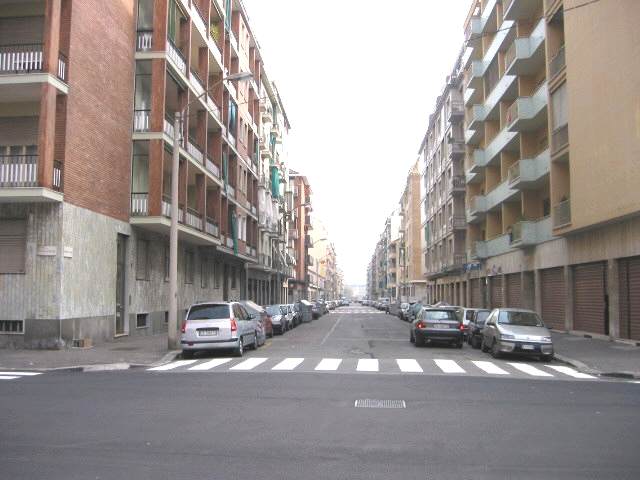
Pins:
x: 28, y: 58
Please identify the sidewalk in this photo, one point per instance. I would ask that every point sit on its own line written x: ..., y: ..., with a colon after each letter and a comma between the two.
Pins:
x: 121, y: 353
x: 597, y: 356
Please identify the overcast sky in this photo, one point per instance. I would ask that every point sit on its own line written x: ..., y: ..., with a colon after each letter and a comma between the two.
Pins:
x: 358, y: 79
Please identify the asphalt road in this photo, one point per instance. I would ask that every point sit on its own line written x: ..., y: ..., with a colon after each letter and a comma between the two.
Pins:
x: 301, y: 423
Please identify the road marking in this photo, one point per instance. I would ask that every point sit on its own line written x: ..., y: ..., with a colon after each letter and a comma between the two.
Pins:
x: 329, y: 364
x: 288, y: 364
x: 210, y: 364
x: 172, y: 365
x: 530, y: 369
x: 570, y: 371
x: 330, y: 331
x: 490, y: 368
x: 7, y: 377
x: 449, y: 366
x: 409, y: 365
x: 21, y: 374
x: 367, y: 365
x: 249, y: 364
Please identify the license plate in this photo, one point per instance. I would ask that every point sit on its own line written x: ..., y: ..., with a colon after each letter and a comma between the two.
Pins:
x: 208, y: 332
x: 528, y: 347
x: 442, y: 326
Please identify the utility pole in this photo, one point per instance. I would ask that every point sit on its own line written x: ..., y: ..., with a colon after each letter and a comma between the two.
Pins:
x: 173, y: 238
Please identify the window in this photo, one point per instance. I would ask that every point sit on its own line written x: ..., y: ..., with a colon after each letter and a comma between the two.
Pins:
x: 172, y: 23
x: 142, y: 260
x: 12, y: 326
x: 233, y: 118
x: 145, y: 15
x: 233, y: 277
x: 217, y: 273
x: 142, y: 320
x: 209, y: 312
x: 166, y: 317
x: 559, y: 107
x: 188, y: 266
x: 204, y: 273
x: 13, y: 243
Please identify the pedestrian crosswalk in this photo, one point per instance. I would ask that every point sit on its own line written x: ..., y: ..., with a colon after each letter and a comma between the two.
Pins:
x: 357, y: 312
x: 10, y: 375
x: 447, y: 366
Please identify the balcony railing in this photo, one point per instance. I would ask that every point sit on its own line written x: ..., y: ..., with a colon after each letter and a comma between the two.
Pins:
x: 510, y: 56
x: 196, y: 83
x: 514, y: 172
x: 139, y: 204
x: 458, y: 221
x: 141, y: 120
x: 213, y: 107
x: 195, y: 150
x: 62, y: 66
x: 176, y: 56
x: 18, y: 170
x: 512, y: 113
x: 458, y: 183
x: 194, y: 219
x: 212, y: 167
x: 212, y: 227
x: 144, y: 40
x: 57, y: 175
x: 231, y: 192
x: 557, y: 63
x: 166, y: 209
x: 560, y: 138
x: 562, y: 214
x: 231, y: 138
x: 21, y: 58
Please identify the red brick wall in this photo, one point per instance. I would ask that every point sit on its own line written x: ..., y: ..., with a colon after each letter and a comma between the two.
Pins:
x: 100, y: 106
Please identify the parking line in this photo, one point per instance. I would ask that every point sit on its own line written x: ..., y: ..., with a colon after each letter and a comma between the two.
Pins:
x: 7, y: 377
x: 288, y: 364
x: 490, y: 367
x: 530, y: 369
x: 249, y: 364
x: 172, y: 365
x: 329, y: 364
x: 449, y: 366
x: 409, y: 365
x: 21, y: 374
x: 210, y: 364
x: 570, y: 371
x: 367, y: 365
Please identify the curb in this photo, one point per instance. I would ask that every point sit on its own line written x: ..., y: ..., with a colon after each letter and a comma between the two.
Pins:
x: 168, y: 357
x: 583, y: 367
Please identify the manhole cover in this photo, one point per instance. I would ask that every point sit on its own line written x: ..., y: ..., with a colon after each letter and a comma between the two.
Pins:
x: 369, y: 403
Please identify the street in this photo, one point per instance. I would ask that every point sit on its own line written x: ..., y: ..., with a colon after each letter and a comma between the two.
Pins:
x: 288, y: 410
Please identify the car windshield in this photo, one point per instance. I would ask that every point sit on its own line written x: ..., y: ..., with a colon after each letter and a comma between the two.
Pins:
x: 523, y: 319
x: 208, y: 312
x: 274, y: 310
x: 481, y: 317
x: 440, y: 315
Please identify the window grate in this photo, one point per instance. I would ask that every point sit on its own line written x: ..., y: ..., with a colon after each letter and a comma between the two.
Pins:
x: 369, y: 403
x: 12, y: 326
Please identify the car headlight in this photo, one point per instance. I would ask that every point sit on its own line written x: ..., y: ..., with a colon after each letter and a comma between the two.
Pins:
x: 545, y: 339
x: 507, y: 336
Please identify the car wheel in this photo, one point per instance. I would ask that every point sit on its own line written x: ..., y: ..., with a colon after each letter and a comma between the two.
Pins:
x: 475, y: 342
x: 187, y: 354
x: 255, y: 340
x: 240, y: 348
x: 483, y: 346
x: 495, y: 350
x: 419, y: 340
x: 546, y: 358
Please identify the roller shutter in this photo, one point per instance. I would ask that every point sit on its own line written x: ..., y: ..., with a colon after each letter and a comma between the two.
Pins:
x: 497, y: 292
x: 476, y: 293
x: 13, y: 243
x: 553, y: 297
x: 629, y: 270
x: 589, y: 298
x: 514, y: 290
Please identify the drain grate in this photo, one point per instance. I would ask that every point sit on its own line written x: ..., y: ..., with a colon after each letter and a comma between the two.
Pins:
x: 369, y: 403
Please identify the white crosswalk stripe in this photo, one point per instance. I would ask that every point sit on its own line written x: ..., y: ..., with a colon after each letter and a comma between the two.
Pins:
x: 328, y: 364
x: 172, y: 365
x: 409, y: 365
x: 490, y: 368
x: 288, y: 364
x: 249, y: 364
x: 570, y: 371
x: 367, y: 365
x: 7, y: 377
x: 216, y: 362
x: 530, y: 369
x: 16, y: 375
x: 449, y: 366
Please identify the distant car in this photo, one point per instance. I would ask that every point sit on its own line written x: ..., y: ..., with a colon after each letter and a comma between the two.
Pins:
x: 316, y: 310
x: 289, y: 315
x: 216, y: 326
x: 413, y: 311
x: 403, y: 310
x: 265, y: 328
x: 297, y: 314
x: 466, y: 315
x: 437, y: 325
x: 511, y: 330
x: 278, y: 318
x: 474, y: 334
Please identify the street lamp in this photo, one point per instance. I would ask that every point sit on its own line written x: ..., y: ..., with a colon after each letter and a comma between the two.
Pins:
x: 173, y: 234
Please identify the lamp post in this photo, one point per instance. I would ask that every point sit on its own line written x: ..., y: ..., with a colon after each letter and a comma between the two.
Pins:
x: 173, y: 233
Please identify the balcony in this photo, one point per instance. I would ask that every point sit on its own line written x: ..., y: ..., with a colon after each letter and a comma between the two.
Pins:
x: 505, y: 140
x: 528, y: 233
x: 457, y: 185
x: 144, y: 40
x: 28, y: 59
x: 139, y: 204
x: 559, y: 138
x: 476, y: 118
x: 529, y: 173
x: 456, y: 150
x: 142, y: 120
x: 212, y: 167
x: 519, y: 9
x: 175, y: 55
x: 233, y: 91
x: 194, y: 219
x: 231, y: 192
x: 267, y: 112
x: 475, y: 75
x: 493, y: 247
x: 477, y: 206
x: 211, y: 227
x: 505, y: 89
x: 213, y: 108
x: 196, y: 83
x: 526, y: 55
x: 562, y: 214
x: 528, y: 113
x: 458, y: 222
x: 19, y: 180
x: 195, y: 151
x: 557, y: 64
x: 456, y: 111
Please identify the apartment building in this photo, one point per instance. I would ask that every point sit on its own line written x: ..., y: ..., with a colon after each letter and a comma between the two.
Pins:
x: 300, y: 227
x: 85, y: 163
x: 412, y: 282
x: 551, y: 162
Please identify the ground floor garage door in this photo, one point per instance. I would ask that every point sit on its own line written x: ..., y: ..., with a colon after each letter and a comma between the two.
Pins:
x: 589, y: 290
x: 476, y: 293
x: 553, y: 297
x: 497, y: 292
x: 514, y: 290
x: 629, y: 269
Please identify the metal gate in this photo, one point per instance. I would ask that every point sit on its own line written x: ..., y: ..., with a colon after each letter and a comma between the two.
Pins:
x: 553, y: 297
x: 590, y: 309
x: 497, y: 292
x: 476, y: 293
x: 514, y: 290
x: 629, y: 272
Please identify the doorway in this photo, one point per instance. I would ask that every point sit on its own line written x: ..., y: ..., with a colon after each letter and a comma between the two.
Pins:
x: 120, y: 283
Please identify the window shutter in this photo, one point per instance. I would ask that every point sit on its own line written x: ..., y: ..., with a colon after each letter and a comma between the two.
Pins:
x: 13, y: 242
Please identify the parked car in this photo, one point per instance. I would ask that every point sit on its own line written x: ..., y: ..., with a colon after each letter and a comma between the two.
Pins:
x: 278, y: 318
x: 474, y: 334
x: 297, y: 314
x: 289, y: 315
x: 465, y: 315
x: 265, y: 328
x: 413, y: 311
x: 437, y: 325
x: 511, y: 330
x: 216, y: 326
x: 403, y: 311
